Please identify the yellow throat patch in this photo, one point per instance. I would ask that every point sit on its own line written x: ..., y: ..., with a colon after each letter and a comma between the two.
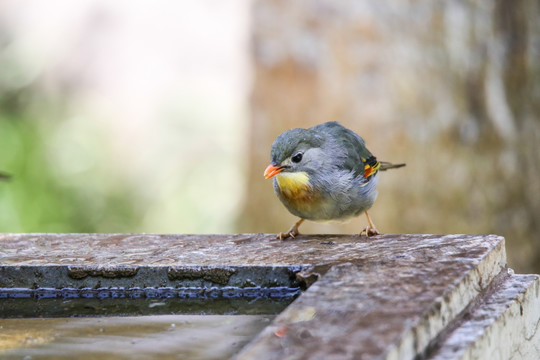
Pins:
x: 294, y: 185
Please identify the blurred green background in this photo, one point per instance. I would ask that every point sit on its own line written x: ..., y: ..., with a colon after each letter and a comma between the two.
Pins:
x: 129, y: 117
x: 121, y: 116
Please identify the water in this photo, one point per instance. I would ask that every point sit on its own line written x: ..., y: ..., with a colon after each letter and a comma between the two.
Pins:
x: 26, y: 303
x: 142, y: 337
x: 164, y: 323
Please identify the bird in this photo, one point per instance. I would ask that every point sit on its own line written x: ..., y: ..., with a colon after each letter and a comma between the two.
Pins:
x: 324, y: 173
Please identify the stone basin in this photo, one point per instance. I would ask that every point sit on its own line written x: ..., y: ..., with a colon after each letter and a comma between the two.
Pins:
x: 386, y: 297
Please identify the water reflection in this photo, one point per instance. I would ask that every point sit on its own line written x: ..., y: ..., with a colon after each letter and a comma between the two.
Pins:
x: 163, y: 337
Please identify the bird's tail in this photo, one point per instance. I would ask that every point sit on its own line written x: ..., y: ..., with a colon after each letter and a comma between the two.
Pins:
x: 386, y: 165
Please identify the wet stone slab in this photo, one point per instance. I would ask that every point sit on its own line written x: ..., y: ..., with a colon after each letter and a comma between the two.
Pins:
x: 394, y: 296
x: 388, y: 296
x: 504, y: 325
x: 125, y: 250
x: 52, y: 260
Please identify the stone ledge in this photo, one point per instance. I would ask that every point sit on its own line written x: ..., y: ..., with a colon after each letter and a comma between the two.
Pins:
x: 504, y: 325
x: 142, y: 276
x: 391, y: 308
x: 386, y: 297
x: 234, y: 249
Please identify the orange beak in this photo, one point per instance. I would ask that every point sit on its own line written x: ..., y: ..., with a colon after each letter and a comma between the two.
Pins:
x: 272, y: 170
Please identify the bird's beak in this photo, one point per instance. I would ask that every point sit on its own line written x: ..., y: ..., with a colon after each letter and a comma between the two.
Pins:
x: 272, y: 170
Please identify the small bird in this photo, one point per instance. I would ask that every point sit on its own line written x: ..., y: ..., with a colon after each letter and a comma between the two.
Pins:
x: 324, y: 173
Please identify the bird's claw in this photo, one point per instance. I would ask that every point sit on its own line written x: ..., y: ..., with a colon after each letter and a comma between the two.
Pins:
x: 293, y: 231
x: 289, y: 234
x: 369, y: 231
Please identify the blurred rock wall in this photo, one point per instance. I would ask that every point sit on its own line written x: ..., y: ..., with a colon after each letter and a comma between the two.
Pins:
x: 452, y: 88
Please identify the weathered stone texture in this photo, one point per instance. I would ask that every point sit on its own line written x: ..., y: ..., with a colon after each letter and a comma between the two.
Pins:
x: 384, y: 297
x: 506, y: 325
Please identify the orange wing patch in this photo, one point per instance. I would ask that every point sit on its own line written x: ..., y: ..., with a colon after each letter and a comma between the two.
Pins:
x: 371, y: 166
x: 368, y: 170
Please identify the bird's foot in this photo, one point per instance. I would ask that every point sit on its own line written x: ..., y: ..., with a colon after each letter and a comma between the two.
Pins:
x: 293, y: 231
x: 369, y: 231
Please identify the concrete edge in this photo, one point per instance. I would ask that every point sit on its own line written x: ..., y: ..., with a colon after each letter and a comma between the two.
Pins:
x: 127, y: 276
x: 416, y: 338
x: 505, y: 325
x: 448, y: 307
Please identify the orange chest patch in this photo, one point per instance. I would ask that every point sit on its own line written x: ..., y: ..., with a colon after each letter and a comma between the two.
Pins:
x: 294, y: 186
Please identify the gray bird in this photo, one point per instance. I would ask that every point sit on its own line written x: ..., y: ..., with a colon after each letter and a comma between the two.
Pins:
x: 324, y: 173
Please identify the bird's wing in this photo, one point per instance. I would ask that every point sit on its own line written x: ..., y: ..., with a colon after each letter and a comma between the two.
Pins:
x: 355, y: 155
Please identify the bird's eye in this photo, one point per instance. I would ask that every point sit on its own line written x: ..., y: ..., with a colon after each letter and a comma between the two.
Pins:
x: 297, y: 157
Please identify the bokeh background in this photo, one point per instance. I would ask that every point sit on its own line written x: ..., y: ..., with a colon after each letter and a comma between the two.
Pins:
x: 131, y: 116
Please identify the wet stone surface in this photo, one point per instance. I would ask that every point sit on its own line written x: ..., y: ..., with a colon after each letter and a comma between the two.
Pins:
x: 80, y: 272
x: 131, y: 250
x: 505, y: 325
x: 388, y: 296
x: 242, y: 260
x: 404, y: 298
x: 217, y: 275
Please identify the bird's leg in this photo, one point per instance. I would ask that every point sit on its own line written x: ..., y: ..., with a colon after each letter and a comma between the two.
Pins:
x: 369, y: 230
x: 293, y: 231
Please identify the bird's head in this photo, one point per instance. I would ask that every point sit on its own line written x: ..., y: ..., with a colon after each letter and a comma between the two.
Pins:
x: 296, y: 151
